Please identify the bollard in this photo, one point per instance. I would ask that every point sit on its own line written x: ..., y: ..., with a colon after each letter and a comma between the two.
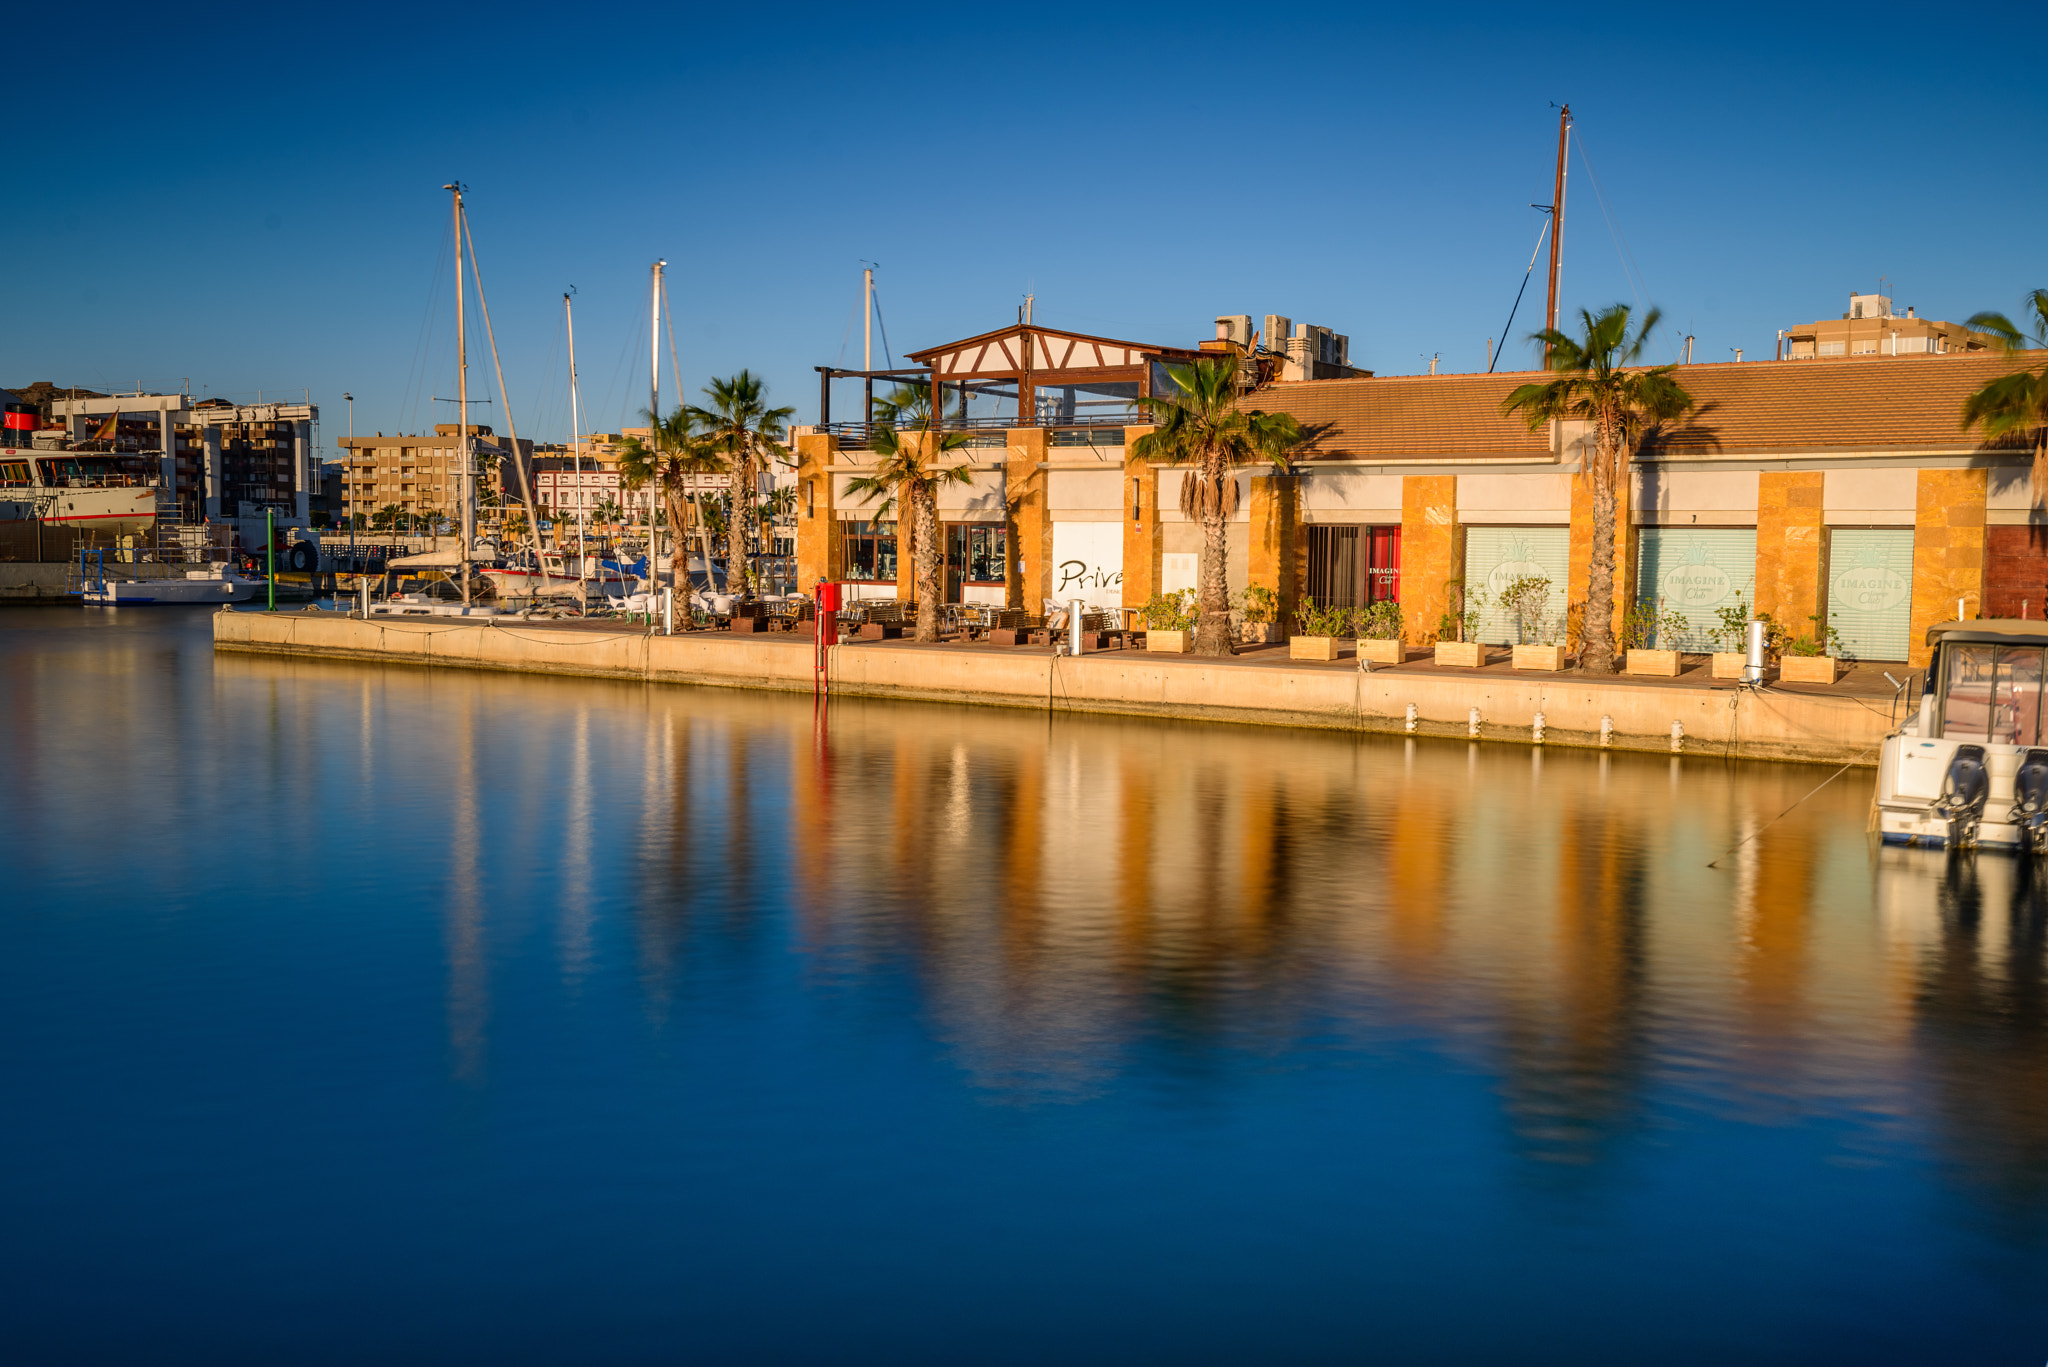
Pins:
x: 1410, y: 727
x: 1677, y: 737
x: 1472, y: 723
x: 1074, y: 610
x: 668, y: 611
x: 1538, y: 729
x: 1759, y: 647
x: 1606, y: 731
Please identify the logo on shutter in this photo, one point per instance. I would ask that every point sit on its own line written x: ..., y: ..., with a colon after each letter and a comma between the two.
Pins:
x: 1515, y: 563
x: 1869, y: 585
x: 1697, y: 582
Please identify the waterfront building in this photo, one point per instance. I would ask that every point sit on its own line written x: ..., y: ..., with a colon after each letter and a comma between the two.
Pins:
x: 421, y: 475
x: 1845, y: 492
x: 219, y: 459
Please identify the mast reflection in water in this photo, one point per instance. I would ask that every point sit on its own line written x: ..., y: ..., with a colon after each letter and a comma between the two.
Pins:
x: 354, y: 1012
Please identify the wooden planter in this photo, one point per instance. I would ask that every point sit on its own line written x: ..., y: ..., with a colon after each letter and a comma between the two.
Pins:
x: 1729, y: 664
x: 1463, y: 654
x: 1168, y: 642
x: 1311, y: 647
x: 1818, y: 669
x: 1661, y: 663
x: 1539, y: 657
x: 1382, y: 652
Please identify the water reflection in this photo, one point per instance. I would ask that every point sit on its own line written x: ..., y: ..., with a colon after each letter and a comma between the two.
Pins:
x: 1065, y: 918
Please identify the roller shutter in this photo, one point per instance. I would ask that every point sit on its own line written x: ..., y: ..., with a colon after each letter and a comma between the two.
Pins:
x: 1497, y: 556
x: 1870, y: 592
x: 1694, y: 572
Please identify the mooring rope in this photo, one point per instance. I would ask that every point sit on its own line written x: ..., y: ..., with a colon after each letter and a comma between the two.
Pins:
x: 1788, y: 811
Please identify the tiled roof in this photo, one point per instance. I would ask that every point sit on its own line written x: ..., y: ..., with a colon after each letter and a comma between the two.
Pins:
x: 1407, y: 417
x: 1864, y: 403
x: 1903, y: 403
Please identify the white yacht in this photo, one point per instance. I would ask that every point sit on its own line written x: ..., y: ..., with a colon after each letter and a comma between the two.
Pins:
x: 1970, y: 769
x: 105, y: 491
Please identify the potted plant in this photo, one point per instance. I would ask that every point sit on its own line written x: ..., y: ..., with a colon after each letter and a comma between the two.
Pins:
x: 1169, y: 621
x: 1379, y: 633
x: 1457, y: 626
x: 1527, y: 599
x: 1809, y: 659
x: 1260, y: 611
x: 1642, y: 627
x: 1320, y: 628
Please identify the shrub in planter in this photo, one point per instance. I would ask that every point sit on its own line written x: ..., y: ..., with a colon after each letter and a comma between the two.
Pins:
x: 1379, y: 633
x: 1169, y: 620
x: 1319, y: 630
x: 1809, y: 659
x: 1259, y: 612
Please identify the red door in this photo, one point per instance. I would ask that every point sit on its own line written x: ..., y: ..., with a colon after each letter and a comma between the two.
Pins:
x: 1383, y: 564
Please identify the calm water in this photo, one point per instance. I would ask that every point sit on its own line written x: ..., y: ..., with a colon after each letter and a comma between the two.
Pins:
x: 352, y: 1014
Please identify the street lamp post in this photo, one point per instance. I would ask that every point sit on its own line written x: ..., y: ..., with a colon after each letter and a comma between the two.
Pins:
x: 348, y: 501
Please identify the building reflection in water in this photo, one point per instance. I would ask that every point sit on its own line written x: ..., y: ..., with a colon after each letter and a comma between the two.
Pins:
x: 1072, y: 903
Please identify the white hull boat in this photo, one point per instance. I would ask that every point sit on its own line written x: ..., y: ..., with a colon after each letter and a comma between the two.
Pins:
x: 216, y: 584
x: 1970, y: 768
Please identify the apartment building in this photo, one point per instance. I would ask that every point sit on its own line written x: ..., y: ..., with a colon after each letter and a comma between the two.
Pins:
x: 1868, y: 327
x: 421, y: 475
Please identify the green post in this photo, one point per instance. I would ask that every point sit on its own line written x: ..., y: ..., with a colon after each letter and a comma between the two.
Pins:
x: 270, y: 552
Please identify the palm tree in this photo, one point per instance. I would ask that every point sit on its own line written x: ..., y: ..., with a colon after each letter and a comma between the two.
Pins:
x: 741, y: 431
x: 908, y: 468
x: 2017, y: 402
x: 1204, y: 428
x: 1595, y: 383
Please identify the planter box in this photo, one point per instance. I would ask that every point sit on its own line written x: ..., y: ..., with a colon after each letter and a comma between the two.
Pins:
x: 1259, y: 634
x: 1661, y: 663
x: 1168, y: 642
x: 1729, y: 664
x: 1818, y: 669
x: 1539, y: 657
x: 1382, y: 652
x: 1311, y: 647
x: 1464, y: 654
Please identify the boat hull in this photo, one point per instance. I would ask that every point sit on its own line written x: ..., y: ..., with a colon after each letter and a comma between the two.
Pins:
x: 166, y: 592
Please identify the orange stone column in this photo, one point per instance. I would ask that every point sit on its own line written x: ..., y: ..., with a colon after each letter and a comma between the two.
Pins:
x: 1275, y: 519
x: 1432, y: 552
x: 819, y: 546
x: 1948, y: 550
x: 1789, y: 540
x: 1030, y: 526
x: 1141, y: 533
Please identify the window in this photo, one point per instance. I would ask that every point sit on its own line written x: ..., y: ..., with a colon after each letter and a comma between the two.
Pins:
x: 977, y: 553
x: 1991, y: 694
x: 1832, y: 348
x: 871, y: 551
x: 1350, y: 567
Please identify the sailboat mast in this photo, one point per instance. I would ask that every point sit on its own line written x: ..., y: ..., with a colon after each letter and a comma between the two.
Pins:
x: 1564, y: 133
x: 466, y: 525
x: 867, y: 313
x: 575, y: 430
x: 653, y: 396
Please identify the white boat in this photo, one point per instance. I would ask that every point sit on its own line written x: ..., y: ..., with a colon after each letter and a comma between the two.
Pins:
x: 1970, y: 768
x: 213, y: 584
x: 103, y: 491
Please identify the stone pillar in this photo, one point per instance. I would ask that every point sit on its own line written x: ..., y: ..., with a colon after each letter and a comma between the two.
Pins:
x: 1141, y: 532
x: 1432, y: 552
x: 210, y: 473
x: 1789, y: 541
x: 819, y: 546
x: 1948, y: 550
x: 1625, y: 539
x: 1029, y: 519
x: 1275, y: 518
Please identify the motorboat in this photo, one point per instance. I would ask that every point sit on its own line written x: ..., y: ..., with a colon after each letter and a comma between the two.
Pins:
x: 212, y: 584
x: 1970, y: 768
x: 107, y: 492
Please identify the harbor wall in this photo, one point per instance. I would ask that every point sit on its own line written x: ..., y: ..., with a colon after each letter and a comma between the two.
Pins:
x: 1758, y: 725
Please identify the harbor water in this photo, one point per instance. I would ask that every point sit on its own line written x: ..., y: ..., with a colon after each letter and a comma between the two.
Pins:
x: 354, y: 1013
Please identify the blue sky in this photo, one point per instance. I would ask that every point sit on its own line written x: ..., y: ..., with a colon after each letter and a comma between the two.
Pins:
x: 265, y: 213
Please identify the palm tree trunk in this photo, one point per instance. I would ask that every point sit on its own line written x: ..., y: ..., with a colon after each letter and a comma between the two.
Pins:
x: 930, y: 559
x: 740, y: 536
x: 1212, y: 629
x: 1596, y: 652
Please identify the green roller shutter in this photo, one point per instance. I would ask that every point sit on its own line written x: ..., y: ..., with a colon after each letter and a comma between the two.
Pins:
x: 1497, y: 556
x: 1870, y: 592
x: 1694, y: 572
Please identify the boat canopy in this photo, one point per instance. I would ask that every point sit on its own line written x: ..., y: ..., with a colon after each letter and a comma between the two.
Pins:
x: 1993, y: 631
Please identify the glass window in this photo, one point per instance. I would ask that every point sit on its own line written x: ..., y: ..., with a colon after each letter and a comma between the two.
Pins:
x: 871, y: 551
x: 977, y: 553
x: 1992, y: 694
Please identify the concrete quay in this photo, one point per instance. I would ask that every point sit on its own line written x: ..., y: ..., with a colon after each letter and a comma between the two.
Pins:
x: 1842, y: 724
